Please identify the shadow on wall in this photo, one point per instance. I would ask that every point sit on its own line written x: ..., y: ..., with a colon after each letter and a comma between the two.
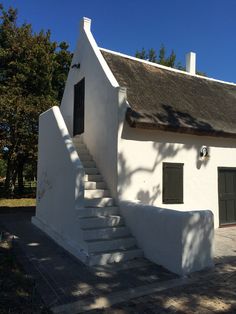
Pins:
x: 167, y: 147
x: 126, y: 177
x: 79, y: 169
x: 146, y: 197
x: 45, y: 183
x: 183, y: 239
x: 198, y: 238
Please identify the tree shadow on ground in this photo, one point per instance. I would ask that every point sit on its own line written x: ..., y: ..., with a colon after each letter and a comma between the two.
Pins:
x: 212, y: 291
x: 17, y: 289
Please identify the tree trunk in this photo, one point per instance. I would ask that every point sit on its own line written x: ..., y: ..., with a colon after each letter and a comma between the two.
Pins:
x: 20, y: 177
x: 8, y: 177
x: 10, y: 181
x: 13, y: 182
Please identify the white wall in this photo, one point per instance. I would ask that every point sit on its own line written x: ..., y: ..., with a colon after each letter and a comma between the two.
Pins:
x: 60, y: 188
x: 180, y: 241
x: 141, y: 154
x: 101, y: 104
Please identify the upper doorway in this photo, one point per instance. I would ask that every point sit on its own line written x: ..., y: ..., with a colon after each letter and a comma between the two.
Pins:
x: 79, y: 94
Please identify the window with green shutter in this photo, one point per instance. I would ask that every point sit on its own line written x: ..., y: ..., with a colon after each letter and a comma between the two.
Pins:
x: 172, y: 183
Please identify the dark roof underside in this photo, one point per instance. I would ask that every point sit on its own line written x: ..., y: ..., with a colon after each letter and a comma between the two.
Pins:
x: 167, y: 100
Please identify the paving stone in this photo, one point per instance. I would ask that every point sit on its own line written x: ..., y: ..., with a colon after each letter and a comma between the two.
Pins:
x: 62, y: 279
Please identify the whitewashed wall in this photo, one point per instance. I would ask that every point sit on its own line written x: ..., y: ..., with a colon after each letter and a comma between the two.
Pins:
x: 180, y: 241
x: 136, y: 172
x: 101, y: 104
x: 60, y: 187
x: 141, y: 154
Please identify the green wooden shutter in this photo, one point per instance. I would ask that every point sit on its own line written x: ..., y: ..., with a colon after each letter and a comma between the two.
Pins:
x: 172, y: 183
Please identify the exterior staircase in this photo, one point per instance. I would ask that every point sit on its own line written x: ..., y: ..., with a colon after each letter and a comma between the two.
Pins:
x: 108, y: 238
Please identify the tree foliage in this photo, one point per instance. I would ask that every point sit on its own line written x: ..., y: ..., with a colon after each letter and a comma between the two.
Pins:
x: 33, y: 70
x: 163, y: 59
x: 2, y: 168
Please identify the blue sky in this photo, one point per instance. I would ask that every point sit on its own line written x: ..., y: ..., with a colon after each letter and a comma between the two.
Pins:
x: 206, y: 27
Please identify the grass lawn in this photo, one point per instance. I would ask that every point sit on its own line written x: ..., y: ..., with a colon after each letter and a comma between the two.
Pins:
x: 17, y: 290
x: 19, y: 202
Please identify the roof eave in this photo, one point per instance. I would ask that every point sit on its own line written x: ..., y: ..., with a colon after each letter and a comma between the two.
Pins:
x: 135, y: 121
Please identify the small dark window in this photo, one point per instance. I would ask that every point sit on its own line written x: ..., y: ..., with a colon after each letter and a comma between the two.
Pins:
x: 172, y: 183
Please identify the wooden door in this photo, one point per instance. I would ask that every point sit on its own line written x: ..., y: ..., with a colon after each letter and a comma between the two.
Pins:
x: 227, y: 195
x: 79, y: 92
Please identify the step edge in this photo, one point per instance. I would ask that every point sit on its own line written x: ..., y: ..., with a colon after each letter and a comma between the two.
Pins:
x: 117, y: 251
x: 107, y: 240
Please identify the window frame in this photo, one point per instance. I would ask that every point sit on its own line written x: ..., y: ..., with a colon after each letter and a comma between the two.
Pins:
x: 165, y: 199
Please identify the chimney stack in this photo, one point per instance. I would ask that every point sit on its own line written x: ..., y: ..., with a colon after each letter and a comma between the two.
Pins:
x: 191, y: 63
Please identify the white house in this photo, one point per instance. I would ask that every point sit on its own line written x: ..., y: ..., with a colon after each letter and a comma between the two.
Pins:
x: 136, y: 160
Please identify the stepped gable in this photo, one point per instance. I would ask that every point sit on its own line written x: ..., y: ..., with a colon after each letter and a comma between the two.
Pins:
x: 164, y: 99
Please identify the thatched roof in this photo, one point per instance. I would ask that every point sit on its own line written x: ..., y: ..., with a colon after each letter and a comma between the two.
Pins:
x: 168, y: 100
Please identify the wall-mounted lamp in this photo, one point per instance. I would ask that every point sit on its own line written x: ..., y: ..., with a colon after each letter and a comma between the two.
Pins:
x: 76, y: 65
x: 204, y: 152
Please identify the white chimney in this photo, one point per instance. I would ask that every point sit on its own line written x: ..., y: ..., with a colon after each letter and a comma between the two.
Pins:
x: 191, y: 63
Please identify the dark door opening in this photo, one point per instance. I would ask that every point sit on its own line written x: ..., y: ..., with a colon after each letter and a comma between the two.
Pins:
x: 227, y: 195
x: 79, y: 92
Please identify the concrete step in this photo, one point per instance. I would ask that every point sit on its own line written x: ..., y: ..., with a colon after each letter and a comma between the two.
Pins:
x: 77, y: 139
x: 114, y: 256
x: 97, y: 211
x: 106, y: 233
x: 95, y: 246
x: 89, y: 164
x: 92, y: 185
x: 79, y: 145
x: 91, y: 170
x: 93, y: 177
x: 96, y: 193
x: 81, y: 149
x: 101, y: 222
x: 99, y: 202
x: 85, y: 156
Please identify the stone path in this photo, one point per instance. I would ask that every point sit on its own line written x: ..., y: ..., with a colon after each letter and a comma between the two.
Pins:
x: 62, y: 279
x: 138, y: 286
x: 211, y: 291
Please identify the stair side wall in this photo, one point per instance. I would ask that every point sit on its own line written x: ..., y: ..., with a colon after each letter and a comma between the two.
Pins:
x: 60, y: 187
x: 101, y: 104
x: 180, y: 241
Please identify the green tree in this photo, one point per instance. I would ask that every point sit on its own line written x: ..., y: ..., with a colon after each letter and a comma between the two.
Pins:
x: 61, y: 68
x: 151, y: 56
x: 171, y: 59
x: 162, y: 55
x: 33, y: 70
x: 2, y: 168
x: 141, y: 54
x: 163, y: 59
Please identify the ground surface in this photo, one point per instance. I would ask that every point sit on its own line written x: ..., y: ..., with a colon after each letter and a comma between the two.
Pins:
x: 211, y: 292
x: 135, y: 287
x: 18, y: 293
x: 17, y: 202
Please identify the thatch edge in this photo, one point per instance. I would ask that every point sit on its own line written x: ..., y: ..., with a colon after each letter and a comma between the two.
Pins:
x: 135, y: 120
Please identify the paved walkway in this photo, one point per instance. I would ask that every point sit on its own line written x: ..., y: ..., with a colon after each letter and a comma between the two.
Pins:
x: 138, y: 286
x: 206, y: 292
